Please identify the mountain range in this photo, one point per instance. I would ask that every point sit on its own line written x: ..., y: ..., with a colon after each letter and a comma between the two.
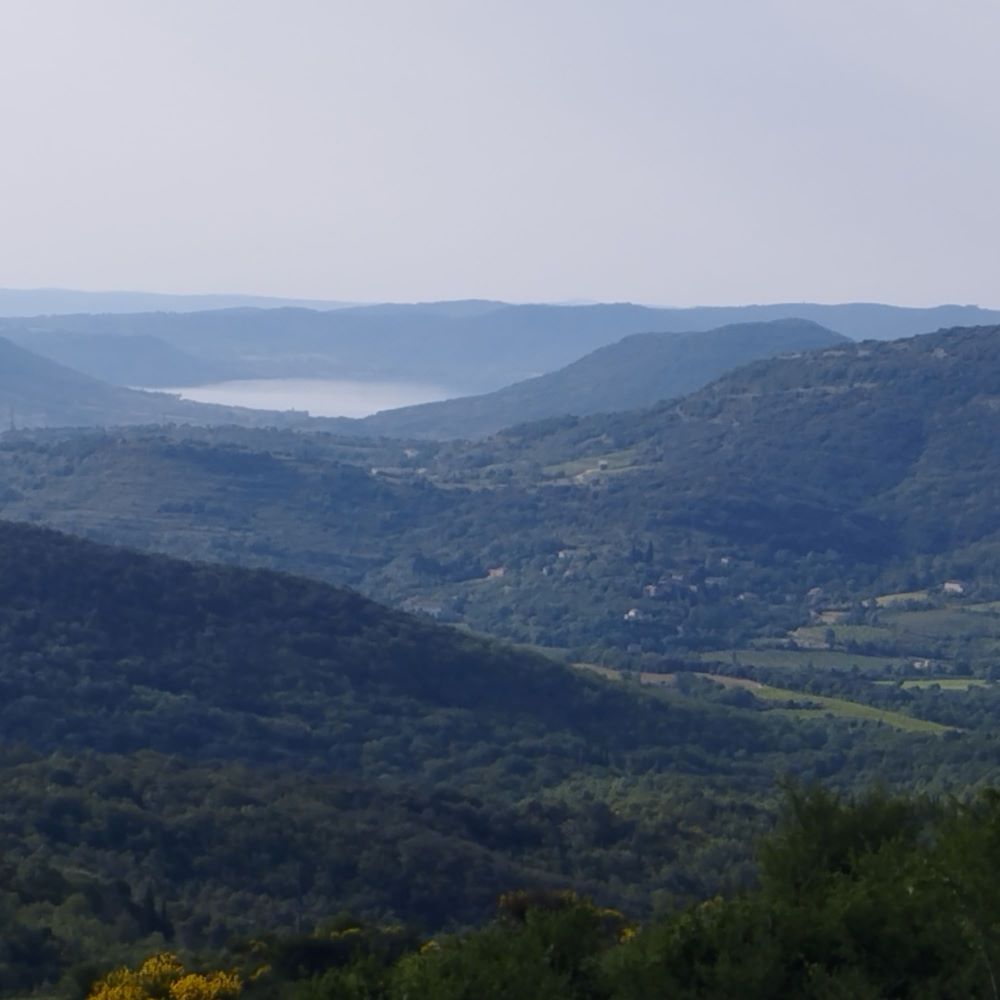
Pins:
x: 640, y: 370
x: 466, y: 347
x: 58, y: 301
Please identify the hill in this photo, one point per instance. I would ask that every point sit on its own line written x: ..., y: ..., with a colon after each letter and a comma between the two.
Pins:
x: 898, y: 436
x: 124, y: 361
x: 638, y: 371
x: 196, y: 752
x: 218, y: 662
x: 37, y: 392
x: 467, y: 347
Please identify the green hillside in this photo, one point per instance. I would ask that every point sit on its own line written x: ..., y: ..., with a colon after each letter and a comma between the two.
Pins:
x: 638, y: 371
x: 192, y: 752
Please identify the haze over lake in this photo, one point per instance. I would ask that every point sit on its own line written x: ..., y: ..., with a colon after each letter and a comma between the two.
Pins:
x: 322, y: 397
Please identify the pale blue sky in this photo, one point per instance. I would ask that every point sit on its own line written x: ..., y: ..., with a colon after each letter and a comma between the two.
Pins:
x: 704, y: 151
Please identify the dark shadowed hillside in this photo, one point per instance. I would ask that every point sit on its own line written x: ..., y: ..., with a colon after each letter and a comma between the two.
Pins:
x: 192, y: 752
x: 212, y: 661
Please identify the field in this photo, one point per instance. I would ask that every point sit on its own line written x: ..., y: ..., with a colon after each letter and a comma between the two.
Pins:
x: 613, y: 461
x: 889, y: 600
x: 802, y: 705
x: 821, y: 659
x: 944, y: 683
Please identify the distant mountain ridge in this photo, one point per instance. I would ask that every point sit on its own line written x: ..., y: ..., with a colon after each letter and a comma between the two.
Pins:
x: 56, y: 301
x: 143, y: 360
x: 640, y: 370
x: 468, y: 347
x: 37, y: 392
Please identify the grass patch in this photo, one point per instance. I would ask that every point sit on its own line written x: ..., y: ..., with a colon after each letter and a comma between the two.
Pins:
x: 802, y: 705
x: 946, y: 623
x: 841, y: 708
x: 844, y: 633
x: 984, y: 608
x: 888, y: 600
x: 820, y: 659
x: 613, y: 461
x: 944, y: 683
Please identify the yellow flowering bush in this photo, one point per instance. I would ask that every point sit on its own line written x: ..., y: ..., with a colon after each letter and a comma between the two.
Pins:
x: 208, y: 986
x: 163, y: 977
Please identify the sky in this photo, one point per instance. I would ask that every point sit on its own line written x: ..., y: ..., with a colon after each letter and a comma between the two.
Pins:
x: 673, y: 152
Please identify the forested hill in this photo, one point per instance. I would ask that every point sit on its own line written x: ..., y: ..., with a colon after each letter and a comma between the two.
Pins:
x: 889, y: 448
x: 250, y: 748
x: 109, y: 650
x: 192, y: 753
x: 638, y: 371
x: 38, y: 392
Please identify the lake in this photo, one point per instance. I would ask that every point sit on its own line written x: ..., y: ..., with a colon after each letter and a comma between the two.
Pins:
x: 322, y: 397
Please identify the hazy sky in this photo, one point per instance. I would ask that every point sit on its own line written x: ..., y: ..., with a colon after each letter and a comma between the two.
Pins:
x: 676, y: 152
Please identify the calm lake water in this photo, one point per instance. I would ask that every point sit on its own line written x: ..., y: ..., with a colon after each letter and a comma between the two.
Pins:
x: 322, y: 397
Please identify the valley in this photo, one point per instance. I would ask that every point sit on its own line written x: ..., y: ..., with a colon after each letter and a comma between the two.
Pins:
x: 601, y: 642
x: 499, y: 501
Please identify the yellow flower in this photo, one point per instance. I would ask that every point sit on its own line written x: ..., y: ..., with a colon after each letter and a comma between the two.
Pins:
x: 163, y: 976
x: 117, y: 988
x: 210, y: 986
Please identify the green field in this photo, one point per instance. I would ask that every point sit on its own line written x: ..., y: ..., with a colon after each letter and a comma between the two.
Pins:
x: 844, y: 633
x: 985, y: 607
x: 813, y: 704
x: 821, y: 659
x: 888, y: 600
x: 613, y: 461
x: 945, y: 623
x: 944, y: 683
x: 800, y: 704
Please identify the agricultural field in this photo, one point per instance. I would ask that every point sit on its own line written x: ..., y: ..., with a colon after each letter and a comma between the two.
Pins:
x: 803, y: 705
x: 940, y: 683
x: 793, y: 659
